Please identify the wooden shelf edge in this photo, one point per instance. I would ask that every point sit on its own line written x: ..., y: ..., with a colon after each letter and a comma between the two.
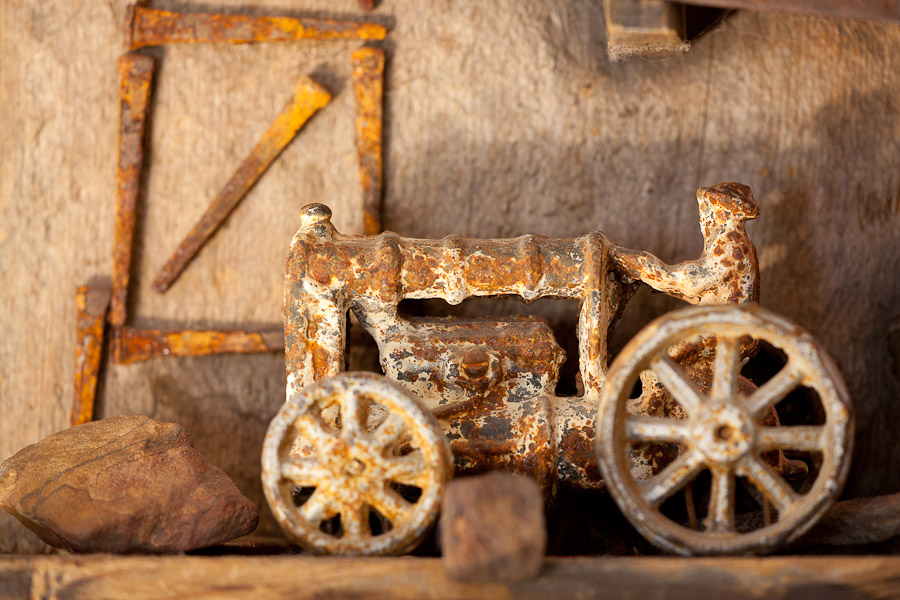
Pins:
x: 104, y: 576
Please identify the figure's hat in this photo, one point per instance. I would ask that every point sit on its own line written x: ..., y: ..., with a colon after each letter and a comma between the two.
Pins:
x: 736, y: 198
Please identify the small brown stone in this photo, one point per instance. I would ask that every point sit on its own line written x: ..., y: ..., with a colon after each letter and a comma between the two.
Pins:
x: 124, y: 484
x: 492, y: 528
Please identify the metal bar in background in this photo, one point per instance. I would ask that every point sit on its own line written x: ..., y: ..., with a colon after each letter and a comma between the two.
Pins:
x: 152, y: 27
x: 887, y: 11
x: 368, y: 83
x: 91, y: 303
x: 134, y: 345
x: 136, y: 71
x: 308, y: 98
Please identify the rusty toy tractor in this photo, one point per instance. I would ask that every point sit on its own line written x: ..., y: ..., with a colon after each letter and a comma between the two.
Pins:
x: 355, y: 463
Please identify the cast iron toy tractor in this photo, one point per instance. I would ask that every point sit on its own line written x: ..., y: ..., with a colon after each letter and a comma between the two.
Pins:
x: 355, y: 463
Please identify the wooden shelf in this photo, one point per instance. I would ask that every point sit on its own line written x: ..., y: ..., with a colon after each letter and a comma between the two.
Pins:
x: 247, y: 577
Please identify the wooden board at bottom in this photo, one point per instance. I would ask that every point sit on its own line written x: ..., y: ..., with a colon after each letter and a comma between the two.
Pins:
x: 103, y: 576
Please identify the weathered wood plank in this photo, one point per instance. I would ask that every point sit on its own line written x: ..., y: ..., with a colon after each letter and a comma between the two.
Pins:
x: 101, y: 576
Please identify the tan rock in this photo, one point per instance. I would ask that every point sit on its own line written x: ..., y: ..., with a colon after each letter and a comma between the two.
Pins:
x: 123, y: 484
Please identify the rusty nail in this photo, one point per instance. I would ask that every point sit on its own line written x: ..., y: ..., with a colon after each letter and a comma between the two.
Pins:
x: 152, y: 27
x: 368, y: 83
x: 91, y: 304
x: 136, y: 71
x: 133, y: 345
x: 309, y: 97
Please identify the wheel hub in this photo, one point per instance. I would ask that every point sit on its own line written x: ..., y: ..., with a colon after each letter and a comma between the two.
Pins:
x: 354, y: 467
x: 723, y: 432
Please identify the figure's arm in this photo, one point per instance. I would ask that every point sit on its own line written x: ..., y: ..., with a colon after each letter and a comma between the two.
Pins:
x: 686, y: 280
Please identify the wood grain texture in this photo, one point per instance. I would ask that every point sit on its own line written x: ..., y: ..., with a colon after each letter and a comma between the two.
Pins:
x: 99, y: 577
x: 501, y: 118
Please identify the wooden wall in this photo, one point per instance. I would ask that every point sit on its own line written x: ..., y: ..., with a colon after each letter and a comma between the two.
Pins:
x: 502, y: 118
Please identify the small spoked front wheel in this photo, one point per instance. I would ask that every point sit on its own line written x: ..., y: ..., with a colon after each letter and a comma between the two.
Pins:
x: 720, y: 494
x: 355, y: 465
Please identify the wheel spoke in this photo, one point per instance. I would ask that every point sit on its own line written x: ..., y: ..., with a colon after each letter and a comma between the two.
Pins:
x: 409, y: 469
x: 727, y: 368
x: 807, y: 438
x: 668, y: 481
x: 311, y: 429
x: 355, y: 521
x: 682, y: 390
x: 774, y: 390
x: 390, y: 504
x: 317, y: 508
x: 720, y: 517
x: 305, y: 472
x: 389, y: 431
x: 354, y: 413
x: 769, y: 483
x: 654, y: 429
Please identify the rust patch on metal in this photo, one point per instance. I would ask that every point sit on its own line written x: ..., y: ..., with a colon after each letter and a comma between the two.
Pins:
x: 136, y: 73
x: 133, y: 345
x: 308, y: 98
x: 91, y: 304
x: 152, y: 27
x: 368, y: 84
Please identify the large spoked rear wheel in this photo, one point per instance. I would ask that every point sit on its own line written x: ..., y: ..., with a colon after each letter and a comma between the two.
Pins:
x: 355, y: 465
x: 720, y: 495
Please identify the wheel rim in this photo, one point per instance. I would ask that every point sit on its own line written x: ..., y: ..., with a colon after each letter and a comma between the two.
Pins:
x: 723, y: 433
x: 355, y: 465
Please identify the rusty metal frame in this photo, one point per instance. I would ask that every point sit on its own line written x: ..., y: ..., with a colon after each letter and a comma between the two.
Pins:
x: 148, y: 27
